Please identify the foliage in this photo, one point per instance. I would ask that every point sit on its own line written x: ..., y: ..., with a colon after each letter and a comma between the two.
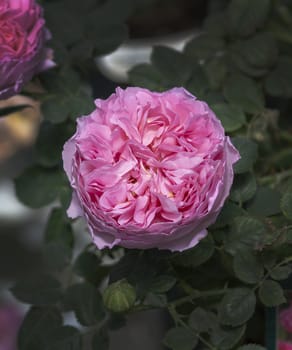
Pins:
x: 242, y: 66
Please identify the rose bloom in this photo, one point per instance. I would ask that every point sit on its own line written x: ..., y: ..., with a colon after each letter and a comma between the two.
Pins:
x: 285, y: 319
x: 10, y: 320
x: 284, y: 345
x: 22, y: 39
x: 149, y: 169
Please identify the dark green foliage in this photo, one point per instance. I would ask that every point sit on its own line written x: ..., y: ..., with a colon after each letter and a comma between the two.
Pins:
x: 241, y: 66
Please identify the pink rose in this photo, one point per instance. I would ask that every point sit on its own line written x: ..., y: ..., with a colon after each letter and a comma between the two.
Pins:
x: 149, y: 169
x: 285, y: 319
x: 284, y: 345
x: 10, y: 320
x: 22, y: 39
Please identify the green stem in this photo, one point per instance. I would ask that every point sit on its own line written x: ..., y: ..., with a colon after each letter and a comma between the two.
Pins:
x: 275, y: 178
x: 283, y: 262
x: 196, y: 295
x: 178, y: 321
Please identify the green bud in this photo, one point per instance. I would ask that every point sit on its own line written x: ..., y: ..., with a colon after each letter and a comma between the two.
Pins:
x: 119, y: 296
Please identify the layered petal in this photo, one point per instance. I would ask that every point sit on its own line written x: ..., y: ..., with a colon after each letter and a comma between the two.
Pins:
x: 149, y: 169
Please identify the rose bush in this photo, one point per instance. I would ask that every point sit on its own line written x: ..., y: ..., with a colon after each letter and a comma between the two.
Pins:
x: 149, y: 170
x: 22, y: 44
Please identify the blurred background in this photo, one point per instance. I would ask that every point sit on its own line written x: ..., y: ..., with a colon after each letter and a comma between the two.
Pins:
x: 152, y: 22
x: 166, y: 22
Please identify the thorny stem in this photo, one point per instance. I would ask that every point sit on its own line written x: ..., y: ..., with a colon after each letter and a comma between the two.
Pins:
x: 275, y: 178
x: 196, y: 295
x: 178, y: 321
x: 283, y: 262
x: 186, y: 299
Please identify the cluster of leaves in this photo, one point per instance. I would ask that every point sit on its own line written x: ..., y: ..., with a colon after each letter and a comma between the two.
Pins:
x: 215, y: 293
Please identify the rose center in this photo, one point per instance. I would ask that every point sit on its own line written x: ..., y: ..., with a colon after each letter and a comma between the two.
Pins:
x: 12, y: 38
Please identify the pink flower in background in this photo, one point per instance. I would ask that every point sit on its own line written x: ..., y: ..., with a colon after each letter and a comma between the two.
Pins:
x: 149, y: 170
x: 10, y: 320
x: 285, y: 319
x: 284, y: 345
x: 22, y: 44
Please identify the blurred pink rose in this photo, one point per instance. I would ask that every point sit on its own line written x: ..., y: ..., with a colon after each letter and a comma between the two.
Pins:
x: 285, y: 319
x: 22, y: 44
x: 149, y: 170
x: 284, y: 345
x: 10, y: 320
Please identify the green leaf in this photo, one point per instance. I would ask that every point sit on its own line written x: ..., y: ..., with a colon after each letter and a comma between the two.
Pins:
x: 87, y: 265
x: 237, y: 306
x: 271, y: 293
x: 56, y: 256
x: 286, y: 205
x: 198, y: 255
x: 259, y: 51
x: 48, y: 152
x: 246, y: 16
x: 38, y: 290
x: 216, y: 70
x: 86, y: 302
x: 213, y: 97
x: 173, y: 65
x: 228, y: 213
x: 198, y: 83
x: 281, y: 272
x: 246, y: 233
x: 65, y: 196
x: 62, y: 81
x: 59, y: 241
x: 63, y: 338
x: 248, y: 152
x: 244, y: 92
x: 247, y: 267
x: 146, y: 76
x: 180, y: 339
x: 201, y: 320
x: 56, y: 109
x: 70, y: 98
x: 243, y: 188
x: 119, y: 296
x: 110, y: 11
x: 231, y: 116
x: 162, y: 284
x: 81, y: 51
x: 58, y: 228
x: 37, y: 187
x: 56, y: 15
x: 36, y: 324
x: 72, y: 104
x: 278, y: 81
x: 156, y: 300
x: 239, y: 63
x: 100, y: 341
x: 266, y: 202
x: 216, y: 24
x: 107, y: 37
x: 204, y: 46
x: 226, y: 338
x: 80, y: 104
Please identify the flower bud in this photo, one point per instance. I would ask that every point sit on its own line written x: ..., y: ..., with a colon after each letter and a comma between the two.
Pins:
x: 119, y: 296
